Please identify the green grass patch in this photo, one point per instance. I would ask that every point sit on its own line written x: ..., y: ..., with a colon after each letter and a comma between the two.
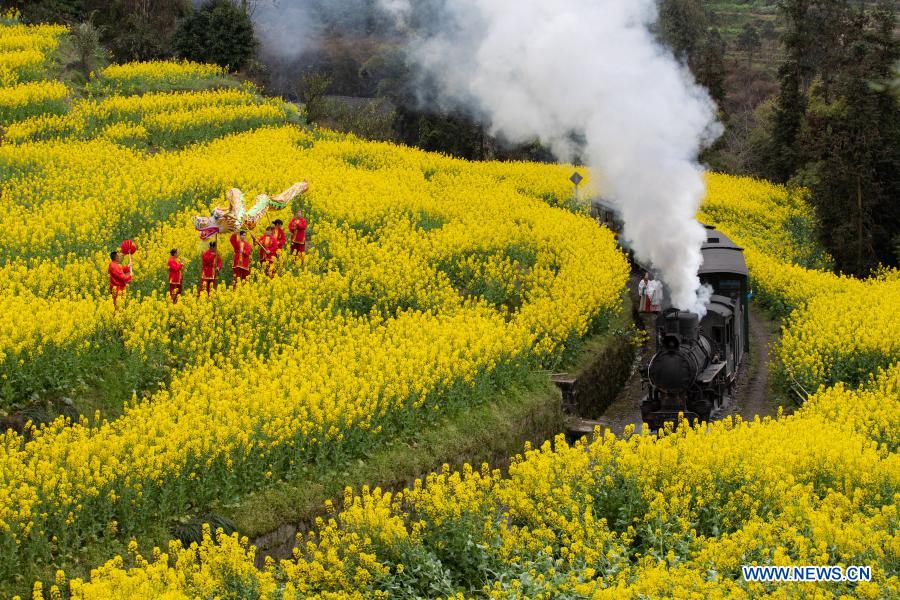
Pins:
x: 583, y: 354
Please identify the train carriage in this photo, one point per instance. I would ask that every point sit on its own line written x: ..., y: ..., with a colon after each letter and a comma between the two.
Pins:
x: 725, y: 270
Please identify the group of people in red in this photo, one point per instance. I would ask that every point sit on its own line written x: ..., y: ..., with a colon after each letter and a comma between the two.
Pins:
x: 270, y: 244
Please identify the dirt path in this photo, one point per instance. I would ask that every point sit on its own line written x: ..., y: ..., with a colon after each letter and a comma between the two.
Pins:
x: 752, y: 397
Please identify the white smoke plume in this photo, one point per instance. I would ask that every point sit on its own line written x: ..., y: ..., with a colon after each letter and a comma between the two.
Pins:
x: 285, y: 28
x: 288, y: 28
x: 590, y: 69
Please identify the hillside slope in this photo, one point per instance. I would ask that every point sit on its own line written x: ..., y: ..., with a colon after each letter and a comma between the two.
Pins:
x: 429, y: 283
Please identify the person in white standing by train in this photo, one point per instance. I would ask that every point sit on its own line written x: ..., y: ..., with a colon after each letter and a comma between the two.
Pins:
x: 655, y: 293
x: 644, y: 293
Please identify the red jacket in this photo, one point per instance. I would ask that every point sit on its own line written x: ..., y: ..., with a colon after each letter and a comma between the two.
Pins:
x: 297, y: 227
x: 242, y: 251
x: 280, y: 237
x: 175, y: 267
x: 119, y: 275
x: 211, y: 263
x: 268, y: 246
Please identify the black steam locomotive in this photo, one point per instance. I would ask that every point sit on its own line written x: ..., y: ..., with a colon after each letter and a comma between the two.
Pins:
x: 696, y: 361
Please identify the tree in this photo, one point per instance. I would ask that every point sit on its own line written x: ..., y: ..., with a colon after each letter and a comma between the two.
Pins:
x: 219, y: 32
x: 851, y: 141
x: 767, y: 30
x: 686, y: 27
x: 418, y: 121
x: 131, y: 29
x: 893, y: 84
x: 749, y: 41
x: 682, y: 26
x: 311, y: 90
x: 89, y: 52
x: 48, y: 11
x: 142, y: 36
x: 782, y: 156
x: 136, y: 29
x: 808, y: 23
x: 708, y: 66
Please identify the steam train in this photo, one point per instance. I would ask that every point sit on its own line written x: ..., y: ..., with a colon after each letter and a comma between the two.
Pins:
x: 697, y: 359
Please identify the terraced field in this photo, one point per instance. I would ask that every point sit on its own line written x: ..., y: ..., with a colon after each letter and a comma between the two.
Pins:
x: 431, y: 285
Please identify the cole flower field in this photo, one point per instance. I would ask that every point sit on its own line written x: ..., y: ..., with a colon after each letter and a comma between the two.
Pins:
x: 430, y: 281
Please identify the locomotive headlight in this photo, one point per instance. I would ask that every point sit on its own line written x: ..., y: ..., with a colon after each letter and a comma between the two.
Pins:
x: 671, y: 343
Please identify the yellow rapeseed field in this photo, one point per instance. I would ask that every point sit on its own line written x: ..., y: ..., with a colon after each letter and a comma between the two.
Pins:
x: 156, y: 76
x: 429, y: 280
x: 26, y: 51
x: 27, y: 99
x: 836, y: 328
x: 639, y: 517
x: 155, y: 112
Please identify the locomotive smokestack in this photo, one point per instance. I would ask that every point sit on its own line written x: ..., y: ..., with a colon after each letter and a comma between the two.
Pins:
x: 591, y: 70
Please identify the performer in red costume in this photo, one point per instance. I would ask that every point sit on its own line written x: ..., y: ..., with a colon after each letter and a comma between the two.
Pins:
x: 175, y: 276
x: 210, y: 265
x: 279, y: 234
x: 268, y: 248
x: 119, y: 278
x: 240, y: 267
x: 297, y: 227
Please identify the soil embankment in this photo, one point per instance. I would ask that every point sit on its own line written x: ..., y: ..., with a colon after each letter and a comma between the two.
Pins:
x: 527, y: 412
x: 493, y: 432
x: 625, y: 407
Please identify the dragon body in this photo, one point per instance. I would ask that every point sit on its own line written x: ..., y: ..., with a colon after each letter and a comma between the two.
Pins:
x: 236, y: 216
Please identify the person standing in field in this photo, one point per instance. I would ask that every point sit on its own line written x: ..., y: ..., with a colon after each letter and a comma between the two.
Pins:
x: 176, y: 268
x: 297, y: 227
x: 210, y: 265
x: 280, y: 237
x: 119, y: 278
x: 268, y: 248
x: 240, y: 266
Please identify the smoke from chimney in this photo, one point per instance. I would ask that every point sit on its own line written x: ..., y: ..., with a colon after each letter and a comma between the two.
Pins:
x: 589, y: 70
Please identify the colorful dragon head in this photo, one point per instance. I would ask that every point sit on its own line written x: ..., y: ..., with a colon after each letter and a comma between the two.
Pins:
x: 235, y: 217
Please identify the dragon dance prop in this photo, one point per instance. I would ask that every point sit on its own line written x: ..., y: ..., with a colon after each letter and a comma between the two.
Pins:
x: 236, y: 217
